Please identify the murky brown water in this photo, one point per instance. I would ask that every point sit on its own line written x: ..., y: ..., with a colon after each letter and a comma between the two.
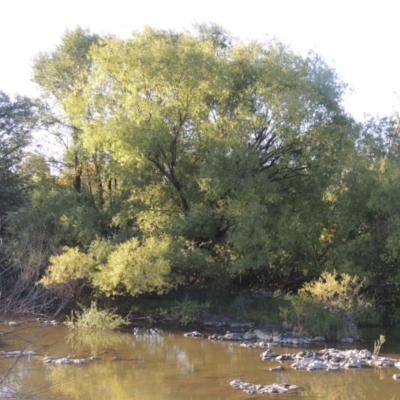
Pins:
x: 169, y: 366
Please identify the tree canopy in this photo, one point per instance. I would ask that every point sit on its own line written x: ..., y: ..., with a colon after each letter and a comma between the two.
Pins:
x: 219, y: 148
x: 195, y: 158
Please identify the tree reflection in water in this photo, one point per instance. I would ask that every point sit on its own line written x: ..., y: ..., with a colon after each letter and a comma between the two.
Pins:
x: 167, y: 366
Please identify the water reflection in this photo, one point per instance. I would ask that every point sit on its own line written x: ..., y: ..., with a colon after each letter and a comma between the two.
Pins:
x: 96, y: 339
x: 164, y: 365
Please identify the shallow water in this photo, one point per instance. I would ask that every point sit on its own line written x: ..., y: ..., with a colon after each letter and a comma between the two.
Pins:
x: 165, y: 366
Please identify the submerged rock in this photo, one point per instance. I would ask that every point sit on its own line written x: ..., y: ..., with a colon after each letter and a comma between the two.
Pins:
x: 18, y: 353
x: 274, y: 369
x: 285, y: 357
x: 193, y: 334
x: 249, y: 345
x: 268, y: 355
x: 63, y: 360
x: 252, y: 388
x: 347, y: 340
x: 234, y: 337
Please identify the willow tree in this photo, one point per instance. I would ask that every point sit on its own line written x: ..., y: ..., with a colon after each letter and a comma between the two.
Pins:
x: 61, y: 75
x: 225, y: 148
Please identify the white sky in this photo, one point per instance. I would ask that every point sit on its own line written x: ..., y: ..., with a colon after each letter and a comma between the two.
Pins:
x: 360, y: 39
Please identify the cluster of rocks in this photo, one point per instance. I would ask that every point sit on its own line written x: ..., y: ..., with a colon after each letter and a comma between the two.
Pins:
x: 259, y: 338
x: 67, y: 360
x: 331, y: 359
x: 17, y: 353
x: 193, y: 334
x: 252, y: 388
x: 63, y: 360
x: 326, y: 359
x: 210, y: 320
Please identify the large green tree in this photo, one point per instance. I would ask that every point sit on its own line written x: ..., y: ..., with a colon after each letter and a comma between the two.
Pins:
x: 219, y: 150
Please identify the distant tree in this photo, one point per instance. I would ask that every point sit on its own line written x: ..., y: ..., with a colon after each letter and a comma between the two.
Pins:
x: 17, y: 119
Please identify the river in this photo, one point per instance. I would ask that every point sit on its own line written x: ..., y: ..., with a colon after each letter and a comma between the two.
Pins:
x: 164, y: 365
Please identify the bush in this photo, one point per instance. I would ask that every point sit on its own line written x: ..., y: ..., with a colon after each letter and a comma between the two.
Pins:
x: 93, y: 318
x: 329, y: 306
x: 186, y: 309
x: 307, y: 315
x: 261, y: 306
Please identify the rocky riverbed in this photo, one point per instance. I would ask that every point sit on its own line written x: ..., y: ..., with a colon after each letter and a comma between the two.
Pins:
x: 328, y: 359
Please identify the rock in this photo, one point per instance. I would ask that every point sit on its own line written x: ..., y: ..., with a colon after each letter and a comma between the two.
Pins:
x: 67, y: 360
x: 239, y: 324
x: 249, y: 345
x: 49, y: 359
x: 265, y: 344
x: 63, y: 360
x: 347, y: 340
x: 219, y: 321
x: 285, y: 357
x: 279, y: 368
x: 318, y: 339
x: 396, y: 376
x: 193, y: 334
x: 13, y: 323
x: 282, y: 339
x: 381, y: 362
x: 249, y: 336
x: 252, y: 388
x: 365, y: 353
x: 18, y: 353
x: 235, y: 337
x: 268, y: 355
x: 263, y: 336
x: 333, y: 359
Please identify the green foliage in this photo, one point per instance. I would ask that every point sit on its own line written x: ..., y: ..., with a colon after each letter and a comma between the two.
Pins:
x: 136, y: 268
x: 94, y: 319
x: 329, y: 306
x: 340, y: 293
x: 196, y: 158
x: 213, y: 134
x: 186, y: 309
x: 378, y: 344
x: 307, y: 315
x: 131, y: 267
x: 17, y: 120
x: 70, y: 265
x: 263, y: 307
